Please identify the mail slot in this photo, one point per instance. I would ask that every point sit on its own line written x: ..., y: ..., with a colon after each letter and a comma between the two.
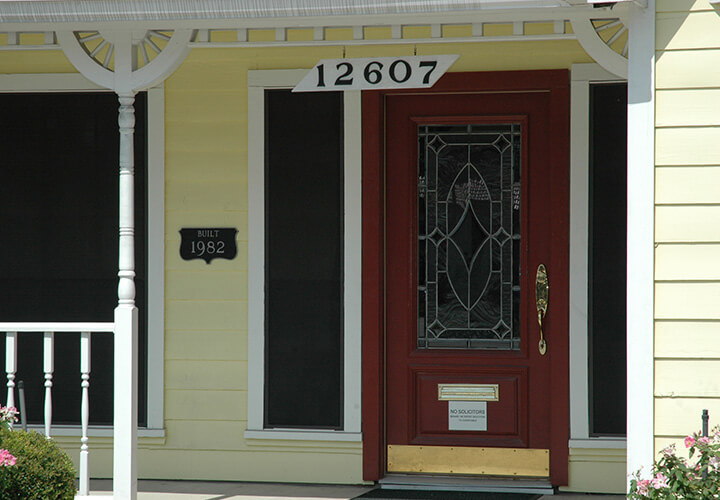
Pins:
x: 468, y: 392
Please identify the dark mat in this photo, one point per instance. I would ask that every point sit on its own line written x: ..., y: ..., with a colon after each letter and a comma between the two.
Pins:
x: 444, y: 495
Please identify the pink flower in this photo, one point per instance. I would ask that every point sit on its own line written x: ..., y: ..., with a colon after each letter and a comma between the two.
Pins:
x: 643, y: 486
x: 6, y: 459
x: 689, y: 442
x: 8, y: 414
x: 704, y: 440
x: 660, y: 481
x: 669, y: 451
x: 715, y: 463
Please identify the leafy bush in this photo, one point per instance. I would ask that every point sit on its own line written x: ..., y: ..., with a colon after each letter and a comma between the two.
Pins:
x: 675, y: 477
x: 43, y: 471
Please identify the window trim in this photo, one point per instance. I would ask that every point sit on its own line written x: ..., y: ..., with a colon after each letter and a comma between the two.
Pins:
x: 73, y: 82
x: 582, y: 76
x: 258, y: 81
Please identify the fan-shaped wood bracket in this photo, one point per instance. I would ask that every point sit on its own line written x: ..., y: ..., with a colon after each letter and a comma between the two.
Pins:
x: 126, y: 61
x: 604, y: 36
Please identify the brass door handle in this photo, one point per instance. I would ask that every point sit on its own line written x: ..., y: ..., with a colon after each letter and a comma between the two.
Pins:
x: 542, y: 289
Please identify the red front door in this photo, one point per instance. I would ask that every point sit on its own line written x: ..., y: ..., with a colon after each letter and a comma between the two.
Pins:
x: 476, y: 181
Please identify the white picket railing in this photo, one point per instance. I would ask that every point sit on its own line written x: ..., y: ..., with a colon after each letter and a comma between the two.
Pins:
x: 48, y: 330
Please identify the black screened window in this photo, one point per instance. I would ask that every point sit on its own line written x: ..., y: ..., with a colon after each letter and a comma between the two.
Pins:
x: 303, y: 259
x: 607, y: 258
x: 59, y: 240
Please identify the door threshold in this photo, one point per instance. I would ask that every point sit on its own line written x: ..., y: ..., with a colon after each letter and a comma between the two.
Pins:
x: 465, y: 483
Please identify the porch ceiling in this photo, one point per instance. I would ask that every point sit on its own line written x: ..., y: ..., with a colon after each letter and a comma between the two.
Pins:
x: 94, y: 11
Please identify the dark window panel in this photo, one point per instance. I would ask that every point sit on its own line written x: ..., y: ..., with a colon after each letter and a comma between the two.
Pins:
x: 304, y: 260
x: 59, y: 251
x: 608, y: 228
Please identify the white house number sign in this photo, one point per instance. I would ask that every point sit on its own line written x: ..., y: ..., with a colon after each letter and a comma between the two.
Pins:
x: 376, y: 73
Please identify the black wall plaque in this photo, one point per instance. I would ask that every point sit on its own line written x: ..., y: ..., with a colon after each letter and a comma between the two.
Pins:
x: 208, y: 243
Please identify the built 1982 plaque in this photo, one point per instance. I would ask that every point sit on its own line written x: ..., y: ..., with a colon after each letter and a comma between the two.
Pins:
x: 208, y: 243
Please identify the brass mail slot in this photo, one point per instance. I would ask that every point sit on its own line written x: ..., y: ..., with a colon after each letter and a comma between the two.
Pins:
x: 468, y: 392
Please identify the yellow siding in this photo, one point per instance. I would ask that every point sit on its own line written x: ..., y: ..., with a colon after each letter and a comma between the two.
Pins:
x: 683, y: 185
x: 687, y: 301
x: 687, y: 269
x: 682, y: 5
x: 683, y: 30
x: 687, y: 261
x: 688, y: 107
x: 681, y: 416
x: 681, y: 69
x: 687, y: 223
x: 457, y: 30
x: 687, y: 339
x: 41, y: 61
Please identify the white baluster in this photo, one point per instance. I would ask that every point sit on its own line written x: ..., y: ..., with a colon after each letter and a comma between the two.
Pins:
x: 10, y: 365
x: 84, y: 484
x: 49, y: 369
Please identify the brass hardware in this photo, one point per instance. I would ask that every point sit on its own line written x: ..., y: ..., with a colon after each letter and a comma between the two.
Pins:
x: 468, y: 392
x: 513, y: 462
x: 542, y: 290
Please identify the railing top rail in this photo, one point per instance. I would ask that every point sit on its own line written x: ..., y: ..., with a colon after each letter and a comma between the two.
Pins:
x: 56, y: 327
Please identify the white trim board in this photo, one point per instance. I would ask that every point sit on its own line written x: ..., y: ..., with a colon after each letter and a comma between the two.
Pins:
x: 74, y: 82
x: 582, y: 76
x: 258, y: 81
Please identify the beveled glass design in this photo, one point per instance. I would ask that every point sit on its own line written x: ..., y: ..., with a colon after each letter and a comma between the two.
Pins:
x: 469, y: 236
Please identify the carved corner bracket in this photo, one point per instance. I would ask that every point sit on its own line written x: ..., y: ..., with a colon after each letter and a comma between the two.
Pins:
x: 126, y: 61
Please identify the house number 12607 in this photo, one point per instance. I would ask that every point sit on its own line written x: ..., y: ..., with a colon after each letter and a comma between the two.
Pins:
x: 399, y: 71
x: 375, y: 73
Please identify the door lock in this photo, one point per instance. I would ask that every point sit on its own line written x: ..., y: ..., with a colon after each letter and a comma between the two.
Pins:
x: 542, y: 289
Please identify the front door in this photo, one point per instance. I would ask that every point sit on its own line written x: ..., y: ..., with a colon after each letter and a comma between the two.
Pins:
x: 476, y: 216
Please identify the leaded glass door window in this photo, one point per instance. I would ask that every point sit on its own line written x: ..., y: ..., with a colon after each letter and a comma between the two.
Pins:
x: 469, y: 236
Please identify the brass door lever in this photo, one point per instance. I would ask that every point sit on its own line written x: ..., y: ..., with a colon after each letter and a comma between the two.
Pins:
x: 542, y: 289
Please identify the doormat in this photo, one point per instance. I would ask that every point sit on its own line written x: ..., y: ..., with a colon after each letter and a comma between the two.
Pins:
x: 381, y: 493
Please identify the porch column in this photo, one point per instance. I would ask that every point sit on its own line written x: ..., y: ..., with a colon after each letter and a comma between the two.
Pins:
x: 126, y: 318
x: 640, y: 238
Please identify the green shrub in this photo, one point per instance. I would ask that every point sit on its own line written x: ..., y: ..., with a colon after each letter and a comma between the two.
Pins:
x: 43, y: 470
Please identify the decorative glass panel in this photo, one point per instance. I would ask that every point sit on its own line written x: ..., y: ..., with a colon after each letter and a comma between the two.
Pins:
x: 469, y: 236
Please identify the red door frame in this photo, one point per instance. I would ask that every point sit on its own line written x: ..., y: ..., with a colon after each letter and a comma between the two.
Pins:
x: 373, y: 252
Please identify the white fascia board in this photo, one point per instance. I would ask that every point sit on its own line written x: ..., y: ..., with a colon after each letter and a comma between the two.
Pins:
x: 68, y: 11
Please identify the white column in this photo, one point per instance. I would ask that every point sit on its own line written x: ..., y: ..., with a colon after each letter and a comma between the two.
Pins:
x: 640, y: 237
x: 126, y: 319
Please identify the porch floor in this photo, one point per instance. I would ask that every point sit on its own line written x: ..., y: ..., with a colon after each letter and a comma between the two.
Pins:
x: 215, y: 490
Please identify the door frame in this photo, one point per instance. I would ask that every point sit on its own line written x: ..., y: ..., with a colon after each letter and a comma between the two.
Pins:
x: 557, y: 82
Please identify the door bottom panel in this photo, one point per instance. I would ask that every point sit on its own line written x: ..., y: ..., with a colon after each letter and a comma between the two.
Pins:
x: 514, y: 462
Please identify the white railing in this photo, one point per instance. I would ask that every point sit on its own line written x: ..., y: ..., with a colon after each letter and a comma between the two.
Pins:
x: 48, y: 331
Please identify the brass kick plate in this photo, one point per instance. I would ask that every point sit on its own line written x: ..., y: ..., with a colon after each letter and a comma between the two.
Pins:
x: 468, y: 392
x: 514, y: 462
